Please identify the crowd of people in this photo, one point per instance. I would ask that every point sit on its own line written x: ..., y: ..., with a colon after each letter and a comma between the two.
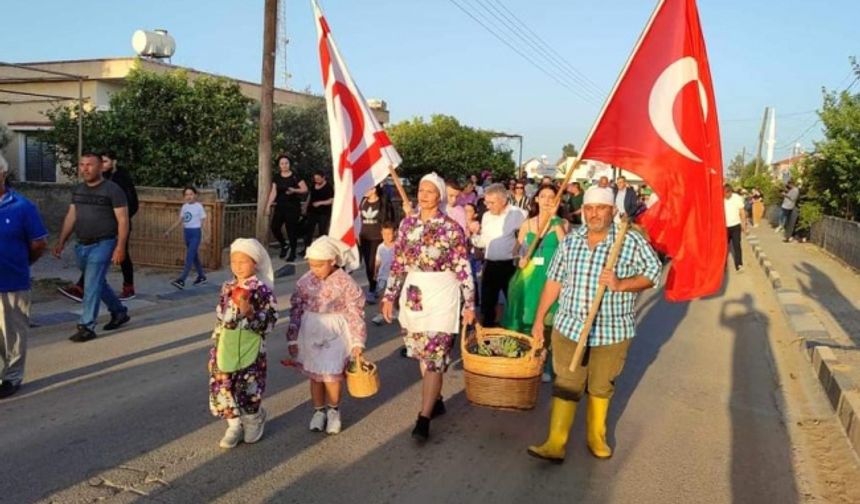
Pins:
x: 528, y: 255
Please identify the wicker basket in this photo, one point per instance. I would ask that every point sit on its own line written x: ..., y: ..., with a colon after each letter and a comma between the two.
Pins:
x: 500, y: 382
x: 362, y: 383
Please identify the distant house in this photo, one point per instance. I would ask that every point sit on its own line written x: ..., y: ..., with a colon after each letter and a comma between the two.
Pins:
x: 590, y: 170
x: 25, y: 96
x: 781, y: 169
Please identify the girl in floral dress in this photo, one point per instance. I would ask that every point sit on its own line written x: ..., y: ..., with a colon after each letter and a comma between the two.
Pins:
x: 326, y: 327
x: 247, y: 302
x: 431, y: 280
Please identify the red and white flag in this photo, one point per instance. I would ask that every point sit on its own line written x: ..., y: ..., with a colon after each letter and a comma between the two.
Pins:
x: 360, y: 149
x: 660, y: 122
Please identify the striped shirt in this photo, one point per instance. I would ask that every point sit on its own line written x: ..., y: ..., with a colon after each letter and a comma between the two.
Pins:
x: 577, y: 269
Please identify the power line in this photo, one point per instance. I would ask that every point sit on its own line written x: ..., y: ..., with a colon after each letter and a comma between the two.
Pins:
x: 540, y: 51
x: 780, y: 116
x: 595, y: 87
x: 817, y: 122
x: 523, y: 55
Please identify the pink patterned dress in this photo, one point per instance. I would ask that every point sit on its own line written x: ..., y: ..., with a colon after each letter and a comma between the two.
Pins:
x: 326, y: 323
x: 435, y: 245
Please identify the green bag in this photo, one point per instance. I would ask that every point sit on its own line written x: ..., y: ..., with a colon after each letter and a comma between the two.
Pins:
x: 237, y: 349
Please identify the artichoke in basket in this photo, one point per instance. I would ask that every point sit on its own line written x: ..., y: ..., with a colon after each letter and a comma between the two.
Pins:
x: 506, y: 346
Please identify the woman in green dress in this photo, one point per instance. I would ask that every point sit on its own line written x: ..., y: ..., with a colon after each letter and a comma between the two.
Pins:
x: 526, y: 285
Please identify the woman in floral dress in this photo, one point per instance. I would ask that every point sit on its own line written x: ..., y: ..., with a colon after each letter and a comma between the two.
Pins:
x: 432, y: 281
x: 246, y: 302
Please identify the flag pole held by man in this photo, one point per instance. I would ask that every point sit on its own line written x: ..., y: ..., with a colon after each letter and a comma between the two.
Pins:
x: 666, y: 84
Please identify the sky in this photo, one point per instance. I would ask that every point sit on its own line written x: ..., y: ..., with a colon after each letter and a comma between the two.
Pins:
x: 428, y: 57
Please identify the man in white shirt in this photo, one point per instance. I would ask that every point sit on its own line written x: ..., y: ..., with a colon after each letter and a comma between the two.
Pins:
x: 498, y: 238
x: 735, y: 223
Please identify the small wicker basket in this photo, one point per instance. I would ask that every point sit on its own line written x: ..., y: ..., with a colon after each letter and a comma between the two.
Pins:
x: 501, y: 382
x: 362, y: 382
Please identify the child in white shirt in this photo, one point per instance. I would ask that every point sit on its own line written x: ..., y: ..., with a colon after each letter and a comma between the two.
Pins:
x: 191, y: 216
x: 384, y: 258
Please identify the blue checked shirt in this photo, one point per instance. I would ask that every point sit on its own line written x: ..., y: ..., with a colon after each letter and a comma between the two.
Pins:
x: 577, y: 269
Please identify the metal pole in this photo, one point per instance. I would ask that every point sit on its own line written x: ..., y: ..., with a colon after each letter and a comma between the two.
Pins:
x: 80, y: 118
x: 521, y: 156
x: 267, y: 97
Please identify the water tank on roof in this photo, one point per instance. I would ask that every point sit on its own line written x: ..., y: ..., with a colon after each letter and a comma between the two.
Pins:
x: 153, y: 44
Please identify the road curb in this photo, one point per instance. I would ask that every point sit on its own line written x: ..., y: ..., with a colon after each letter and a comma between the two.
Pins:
x: 841, y: 390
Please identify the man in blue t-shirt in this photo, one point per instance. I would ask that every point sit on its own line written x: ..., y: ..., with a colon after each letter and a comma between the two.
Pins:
x: 24, y: 238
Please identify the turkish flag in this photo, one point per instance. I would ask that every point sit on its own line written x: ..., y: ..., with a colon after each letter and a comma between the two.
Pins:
x: 660, y: 122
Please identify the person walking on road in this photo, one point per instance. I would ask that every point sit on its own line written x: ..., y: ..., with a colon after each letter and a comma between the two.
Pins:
x: 319, y: 208
x: 757, y: 206
x: 191, y: 217
x: 246, y: 312
x: 327, y: 328
x: 120, y: 177
x: 498, y: 237
x: 789, y: 210
x: 573, y: 278
x: 736, y: 223
x: 374, y: 209
x: 98, y: 215
x: 429, y: 277
x: 24, y: 239
x: 526, y: 286
x: 286, y: 195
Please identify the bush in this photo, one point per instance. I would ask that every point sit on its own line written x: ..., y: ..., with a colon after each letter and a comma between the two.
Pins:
x: 810, y: 213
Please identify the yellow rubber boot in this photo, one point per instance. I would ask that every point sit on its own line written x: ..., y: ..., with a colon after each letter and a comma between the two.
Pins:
x: 560, y: 421
x: 598, y: 407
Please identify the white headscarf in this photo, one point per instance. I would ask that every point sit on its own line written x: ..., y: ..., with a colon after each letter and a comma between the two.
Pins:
x: 439, y: 182
x: 253, y: 249
x: 326, y: 248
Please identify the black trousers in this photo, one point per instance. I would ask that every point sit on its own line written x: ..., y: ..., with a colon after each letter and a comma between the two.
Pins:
x: 497, y: 275
x: 314, y: 221
x: 734, y: 233
x: 289, y: 217
x: 367, y: 248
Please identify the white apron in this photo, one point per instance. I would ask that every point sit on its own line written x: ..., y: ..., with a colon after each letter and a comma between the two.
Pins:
x: 323, y: 343
x: 440, y: 302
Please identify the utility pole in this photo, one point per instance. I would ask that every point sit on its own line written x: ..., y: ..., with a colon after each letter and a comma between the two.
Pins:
x: 761, y: 140
x: 267, y: 99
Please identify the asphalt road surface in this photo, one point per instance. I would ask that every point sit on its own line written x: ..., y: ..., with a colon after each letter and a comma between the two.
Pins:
x: 713, y: 406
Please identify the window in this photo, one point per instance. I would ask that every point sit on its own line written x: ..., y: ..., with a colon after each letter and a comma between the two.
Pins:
x: 39, y: 161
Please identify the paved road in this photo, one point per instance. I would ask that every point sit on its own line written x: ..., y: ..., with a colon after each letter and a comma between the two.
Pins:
x: 702, y: 414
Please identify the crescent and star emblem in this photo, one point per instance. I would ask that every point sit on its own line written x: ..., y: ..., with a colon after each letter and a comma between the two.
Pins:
x: 662, y: 100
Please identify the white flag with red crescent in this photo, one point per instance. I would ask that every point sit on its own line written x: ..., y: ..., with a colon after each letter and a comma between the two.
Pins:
x: 360, y: 149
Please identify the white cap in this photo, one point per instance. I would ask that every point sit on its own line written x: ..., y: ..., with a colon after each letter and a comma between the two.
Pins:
x: 437, y: 181
x: 598, y: 196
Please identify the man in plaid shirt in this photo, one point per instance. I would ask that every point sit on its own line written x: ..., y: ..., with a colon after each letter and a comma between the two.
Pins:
x: 576, y: 271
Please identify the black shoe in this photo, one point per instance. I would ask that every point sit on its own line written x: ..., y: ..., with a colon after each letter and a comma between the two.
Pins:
x: 404, y: 352
x: 292, y: 257
x: 179, y: 284
x: 200, y: 280
x: 421, y: 432
x: 82, y: 335
x: 8, y: 389
x: 116, y: 320
x: 283, y: 253
x: 438, y: 408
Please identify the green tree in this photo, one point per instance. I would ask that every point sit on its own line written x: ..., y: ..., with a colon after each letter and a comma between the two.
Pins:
x: 4, y: 137
x: 569, y: 150
x: 735, y: 170
x: 301, y: 132
x: 832, y: 172
x: 167, y: 131
x: 450, y: 149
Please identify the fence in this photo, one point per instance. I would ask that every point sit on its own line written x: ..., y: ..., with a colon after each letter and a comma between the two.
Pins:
x: 149, y: 247
x: 840, y: 237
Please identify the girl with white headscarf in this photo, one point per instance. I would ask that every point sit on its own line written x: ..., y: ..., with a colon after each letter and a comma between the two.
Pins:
x: 247, y: 307
x: 431, y: 280
x: 326, y: 327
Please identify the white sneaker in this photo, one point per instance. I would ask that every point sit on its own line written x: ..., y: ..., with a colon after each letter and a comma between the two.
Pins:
x: 546, y: 378
x: 318, y: 421
x: 233, y: 435
x: 377, y: 319
x: 332, y: 421
x: 253, y: 426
